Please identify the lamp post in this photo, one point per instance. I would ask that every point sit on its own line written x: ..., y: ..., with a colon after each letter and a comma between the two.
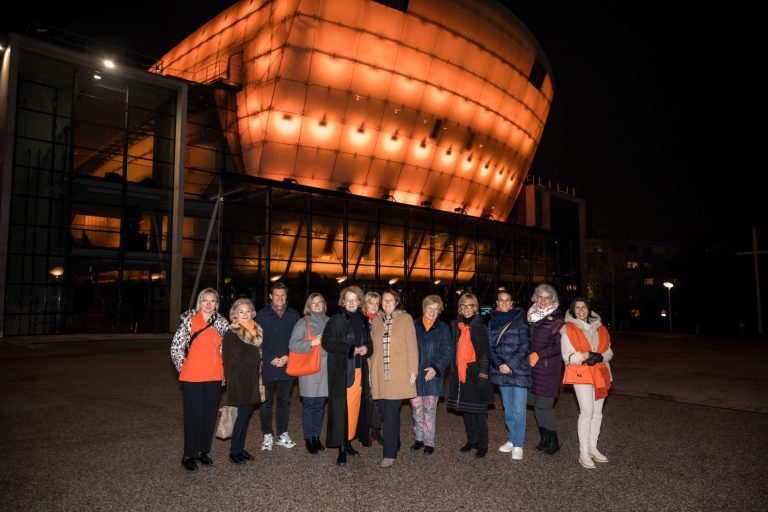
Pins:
x: 669, y: 285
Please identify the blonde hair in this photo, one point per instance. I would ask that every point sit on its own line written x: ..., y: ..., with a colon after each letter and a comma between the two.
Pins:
x: 371, y: 296
x: 433, y: 299
x: 312, y: 296
x: 351, y: 289
x: 205, y: 292
x: 236, y: 305
x: 469, y: 297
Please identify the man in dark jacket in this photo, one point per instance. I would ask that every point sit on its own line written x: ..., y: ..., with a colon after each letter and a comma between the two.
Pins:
x: 277, y: 320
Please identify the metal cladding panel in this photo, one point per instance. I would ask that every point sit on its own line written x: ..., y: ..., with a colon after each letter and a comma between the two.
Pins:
x: 335, y: 93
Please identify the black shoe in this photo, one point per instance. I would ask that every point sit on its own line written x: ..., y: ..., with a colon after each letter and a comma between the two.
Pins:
x: 245, y: 455
x: 189, y: 464
x: 418, y: 445
x: 317, y: 444
x: 429, y: 450
x: 341, y: 460
x: 554, y: 445
x: 468, y: 447
x: 350, y: 450
x: 481, y: 452
x: 544, y: 438
x: 310, y: 446
x: 204, y: 459
x: 236, y: 458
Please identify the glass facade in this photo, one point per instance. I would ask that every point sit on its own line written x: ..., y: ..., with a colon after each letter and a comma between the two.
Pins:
x: 90, y: 201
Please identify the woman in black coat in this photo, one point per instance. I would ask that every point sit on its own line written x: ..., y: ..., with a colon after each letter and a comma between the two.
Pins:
x: 470, y: 392
x: 348, y: 342
x: 241, y: 349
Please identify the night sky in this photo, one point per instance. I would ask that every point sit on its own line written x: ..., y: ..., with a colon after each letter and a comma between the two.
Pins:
x: 657, y: 113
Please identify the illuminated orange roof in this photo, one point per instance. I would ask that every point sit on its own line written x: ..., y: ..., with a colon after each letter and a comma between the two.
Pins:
x: 429, y: 105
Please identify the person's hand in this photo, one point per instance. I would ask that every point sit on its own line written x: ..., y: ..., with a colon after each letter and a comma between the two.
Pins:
x: 276, y: 362
x: 361, y: 351
x: 412, y: 378
x: 430, y: 374
x: 505, y: 369
x: 593, y: 359
x: 316, y: 340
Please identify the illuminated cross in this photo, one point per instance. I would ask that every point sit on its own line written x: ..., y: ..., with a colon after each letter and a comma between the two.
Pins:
x: 754, y: 253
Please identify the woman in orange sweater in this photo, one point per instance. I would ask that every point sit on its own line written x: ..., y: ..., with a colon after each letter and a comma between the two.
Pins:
x: 196, y: 354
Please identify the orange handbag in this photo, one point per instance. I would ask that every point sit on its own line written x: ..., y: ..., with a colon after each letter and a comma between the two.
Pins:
x: 577, y: 374
x: 301, y: 364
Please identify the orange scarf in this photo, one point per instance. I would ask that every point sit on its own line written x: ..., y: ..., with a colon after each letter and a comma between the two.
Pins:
x: 427, y: 323
x: 465, y: 352
x: 250, y: 327
x: 601, y: 378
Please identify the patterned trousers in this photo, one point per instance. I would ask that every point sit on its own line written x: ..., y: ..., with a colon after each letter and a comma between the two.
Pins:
x: 424, y: 411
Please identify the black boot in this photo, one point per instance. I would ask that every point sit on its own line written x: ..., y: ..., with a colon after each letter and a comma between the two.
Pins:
x: 318, y: 445
x: 350, y: 450
x: 468, y: 447
x: 310, y: 446
x: 341, y: 460
x: 544, y: 438
x: 554, y: 445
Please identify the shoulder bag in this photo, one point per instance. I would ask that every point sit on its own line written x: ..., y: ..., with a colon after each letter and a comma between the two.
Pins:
x: 302, y: 364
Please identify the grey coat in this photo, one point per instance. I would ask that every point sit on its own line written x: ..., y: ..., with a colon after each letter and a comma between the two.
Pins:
x: 314, y: 385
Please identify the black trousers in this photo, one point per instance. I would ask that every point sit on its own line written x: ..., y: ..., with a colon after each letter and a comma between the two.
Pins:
x: 241, y: 428
x: 390, y: 422
x: 201, y: 403
x: 281, y: 388
x: 476, y: 427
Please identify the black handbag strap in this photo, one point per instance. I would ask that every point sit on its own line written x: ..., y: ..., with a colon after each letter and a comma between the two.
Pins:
x: 196, y: 334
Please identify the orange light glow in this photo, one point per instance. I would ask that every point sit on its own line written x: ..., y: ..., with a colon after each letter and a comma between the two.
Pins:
x: 363, y: 88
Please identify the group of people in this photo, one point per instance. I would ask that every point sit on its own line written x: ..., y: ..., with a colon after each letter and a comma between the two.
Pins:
x: 374, y: 355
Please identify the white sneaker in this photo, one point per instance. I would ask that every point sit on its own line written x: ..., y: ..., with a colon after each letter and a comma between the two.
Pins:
x: 506, y: 447
x: 517, y: 453
x: 284, y: 440
x: 597, y: 456
x: 586, y: 461
x: 267, y: 443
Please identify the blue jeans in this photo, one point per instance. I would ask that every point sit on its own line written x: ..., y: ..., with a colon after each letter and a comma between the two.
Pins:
x: 313, y: 415
x: 514, y: 400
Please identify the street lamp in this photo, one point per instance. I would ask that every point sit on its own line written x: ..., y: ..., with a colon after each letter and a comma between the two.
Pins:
x: 669, y: 285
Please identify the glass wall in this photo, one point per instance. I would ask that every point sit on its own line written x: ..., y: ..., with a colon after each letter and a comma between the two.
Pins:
x: 90, y: 202
x: 321, y: 241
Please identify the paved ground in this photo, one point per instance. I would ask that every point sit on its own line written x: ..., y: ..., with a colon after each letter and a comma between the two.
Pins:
x: 89, y: 424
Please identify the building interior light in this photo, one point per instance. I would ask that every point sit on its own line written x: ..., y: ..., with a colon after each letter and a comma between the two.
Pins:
x: 448, y: 152
x: 436, y: 281
x: 423, y: 143
x: 341, y: 279
x: 323, y: 122
x: 109, y: 64
x: 276, y: 277
x: 393, y: 280
x: 361, y: 129
x: 57, y: 272
x: 97, y: 75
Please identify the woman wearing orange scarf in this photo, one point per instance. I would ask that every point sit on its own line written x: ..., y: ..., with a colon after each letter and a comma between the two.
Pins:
x: 470, y: 391
x: 585, y: 341
x: 242, y: 369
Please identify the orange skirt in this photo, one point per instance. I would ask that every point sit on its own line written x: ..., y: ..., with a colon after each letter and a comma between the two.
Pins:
x: 354, y: 394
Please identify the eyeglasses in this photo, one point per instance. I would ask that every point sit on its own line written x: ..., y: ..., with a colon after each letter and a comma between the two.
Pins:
x: 466, y: 306
x: 352, y: 301
x: 316, y: 303
x: 504, y: 300
x: 545, y: 297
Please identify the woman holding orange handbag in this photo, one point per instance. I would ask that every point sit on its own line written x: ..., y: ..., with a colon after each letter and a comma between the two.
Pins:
x: 585, y: 341
x: 307, y: 333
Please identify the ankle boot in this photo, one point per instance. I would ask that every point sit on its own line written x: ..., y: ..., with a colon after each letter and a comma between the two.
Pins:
x: 310, y: 446
x: 318, y: 445
x: 544, y: 438
x: 350, y: 450
x: 341, y: 460
x: 554, y: 445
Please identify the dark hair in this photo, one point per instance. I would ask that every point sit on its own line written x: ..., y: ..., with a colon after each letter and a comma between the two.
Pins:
x: 278, y: 286
x: 394, y: 294
x: 572, y: 309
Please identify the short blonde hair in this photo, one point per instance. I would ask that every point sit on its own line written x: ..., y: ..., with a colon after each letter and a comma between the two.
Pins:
x: 371, y: 296
x: 236, y: 305
x: 205, y: 292
x: 433, y: 299
x: 469, y: 297
x: 313, y: 296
